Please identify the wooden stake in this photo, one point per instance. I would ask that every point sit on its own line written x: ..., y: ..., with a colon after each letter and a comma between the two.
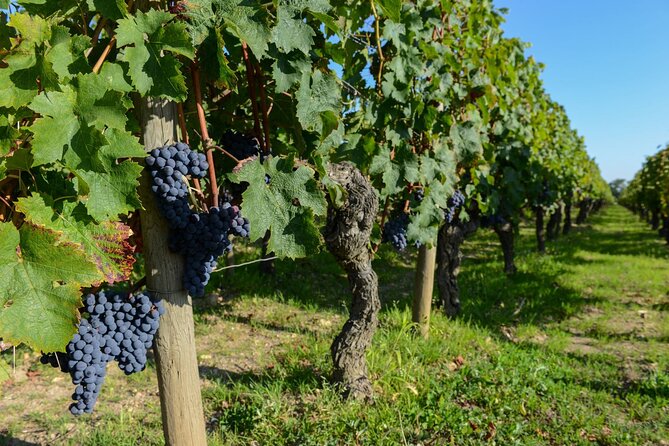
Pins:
x: 423, y: 286
x: 176, y: 358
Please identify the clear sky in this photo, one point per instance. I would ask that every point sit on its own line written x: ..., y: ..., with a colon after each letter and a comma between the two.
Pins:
x: 607, y: 62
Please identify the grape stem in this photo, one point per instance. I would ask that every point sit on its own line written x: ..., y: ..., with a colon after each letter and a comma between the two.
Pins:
x: 185, y: 139
x: 103, y: 56
x: 250, y: 77
x: 195, y: 70
x: 263, y: 105
x: 384, y: 215
x: 225, y: 152
x: 137, y: 285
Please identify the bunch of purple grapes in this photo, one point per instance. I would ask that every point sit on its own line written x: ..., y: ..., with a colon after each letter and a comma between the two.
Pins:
x: 395, y: 232
x: 239, y: 145
x: 200, y: 237
x: 119, y: 327
x: 456, y: 201
x: 419, y: 194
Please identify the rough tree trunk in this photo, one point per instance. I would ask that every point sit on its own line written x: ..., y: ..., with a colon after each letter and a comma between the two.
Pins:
x: 553, y: 227
x: 347, y: 237
x: 268, y: 267
x: 566, y: 227
x: 176, y: 359
x: 541, y: 237
x: 655, y: 220
x: 582, y: 212
x: 505, y: 233
x: 664, y: 230
x: 449, y: 257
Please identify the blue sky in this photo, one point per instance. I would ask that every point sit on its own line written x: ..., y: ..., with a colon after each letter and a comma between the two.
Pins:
x: 607, y: 62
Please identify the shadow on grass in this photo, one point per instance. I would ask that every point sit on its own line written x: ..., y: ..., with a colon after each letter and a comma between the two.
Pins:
x: 6, y: 440
x: 238, y: 412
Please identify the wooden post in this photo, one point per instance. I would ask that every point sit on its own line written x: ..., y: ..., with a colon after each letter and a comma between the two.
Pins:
x: 176, y: 358
x: 423, y: 286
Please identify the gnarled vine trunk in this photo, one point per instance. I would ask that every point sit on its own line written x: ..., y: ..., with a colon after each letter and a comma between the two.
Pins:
x: 505, y: 234
x: 553, y: 227
x: 347, y: 236
x: 541, y: 236
x: 664, y: 230
x: 655, y: 219
x: 583, y: 209
x: 566, y: 227
x: 449, y: 257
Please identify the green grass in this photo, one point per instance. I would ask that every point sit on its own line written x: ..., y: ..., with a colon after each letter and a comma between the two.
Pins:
x: 574, y: 349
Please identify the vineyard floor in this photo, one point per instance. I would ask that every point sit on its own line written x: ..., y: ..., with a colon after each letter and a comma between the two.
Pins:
x: 574, y: 349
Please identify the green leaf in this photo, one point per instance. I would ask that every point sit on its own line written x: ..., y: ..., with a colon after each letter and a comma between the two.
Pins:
x: 54, y: 131
x: 291, y: 33
x: 287, y: 70
x: 106, y: 244
x: 286, y: 206
x: 110, y: 194
x: 391, y: 9
x: 40, y: 277
x: 321, y: 94
x: 242, y: 20
x: 153, y: 70
x: 110, y: 9
x: 8, y: 134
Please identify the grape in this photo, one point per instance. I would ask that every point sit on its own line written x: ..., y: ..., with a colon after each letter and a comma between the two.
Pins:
x: 119, y: 327
x: 395, y: 232
x: 240, y: 146
x: 419, y: 194
x: 456, y: 201
x: 199, y: 237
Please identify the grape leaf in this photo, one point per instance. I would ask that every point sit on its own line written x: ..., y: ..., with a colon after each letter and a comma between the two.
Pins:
x: 291, y: 33
x: 317, y: 95
x: 242, y: 20
x: 391, y: 9
x: 57, y: 126
x: 65, y: 113
x: 110, y: 9
x: 105, y: 244
x: 286, y: 206
x: 113, y: 193
x: 41, y: 277
x: 149, y: 38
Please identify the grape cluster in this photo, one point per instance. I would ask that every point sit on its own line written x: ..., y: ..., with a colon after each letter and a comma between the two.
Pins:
x: 168, y: 166
x: 119, y: 327
x: 240, y: 146
x: 395, y: 232
x: 454, y: 203
x: 199, y: 237
x: 418, y: 195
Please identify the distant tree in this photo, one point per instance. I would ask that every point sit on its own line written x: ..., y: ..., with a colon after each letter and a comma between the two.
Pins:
x: 617, y: 186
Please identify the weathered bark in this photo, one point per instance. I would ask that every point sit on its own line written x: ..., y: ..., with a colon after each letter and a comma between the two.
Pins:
x: 566, y: 227
x: 583, y: 208
x: 553, y: 227
x: 506, y: 236
x: 176, y: 358
x: 449, y: 257
x: 423, y: 288
x: 347, y: 236
x: 268, y: 267
x: 655, y: 220
x: 664, y: 230
x: 541, y: 236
